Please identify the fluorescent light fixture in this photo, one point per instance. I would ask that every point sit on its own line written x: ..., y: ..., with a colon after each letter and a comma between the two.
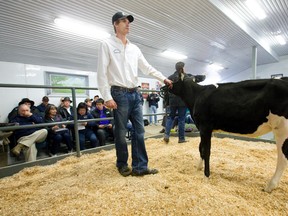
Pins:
x: 174, y: 55
x: 280, y: 39
x: 256, y: 9
x: 215, y: 67
x: 217, y: 45
x: 81, y: 28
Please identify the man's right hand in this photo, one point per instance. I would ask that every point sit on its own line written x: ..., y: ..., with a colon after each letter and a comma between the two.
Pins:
x: 169, y: 83
x: 111, y: 104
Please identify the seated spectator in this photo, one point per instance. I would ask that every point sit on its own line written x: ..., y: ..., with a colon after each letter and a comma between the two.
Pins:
x: 104, y: 128
x: 26, y: 101
x: 41, y: 108
x: 88, y: 103
x: 61, y: 104
x: 66, y: 111
x: 57, y: 133
x: 28, y: 137
x: 86, y: 128
x: 96, y: 97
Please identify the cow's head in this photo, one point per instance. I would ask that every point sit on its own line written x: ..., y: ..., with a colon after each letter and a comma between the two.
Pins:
x: 178, y: 80
x: 182, y: 79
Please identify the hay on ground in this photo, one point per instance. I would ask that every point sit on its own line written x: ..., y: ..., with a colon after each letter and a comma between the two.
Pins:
x: 91, y: 185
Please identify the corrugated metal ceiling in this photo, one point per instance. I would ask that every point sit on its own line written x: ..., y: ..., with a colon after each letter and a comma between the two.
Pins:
x: 196, y: 28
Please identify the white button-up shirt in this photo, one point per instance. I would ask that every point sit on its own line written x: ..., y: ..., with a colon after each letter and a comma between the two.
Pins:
x: 118, y: 66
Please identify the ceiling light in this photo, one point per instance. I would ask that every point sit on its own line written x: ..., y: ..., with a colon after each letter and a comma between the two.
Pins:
x: 81, y: 28
x: 173, y: 55
x: 280, y: 39
x: 215, y: 67
x: 256, y: 9
x: 218, y: 45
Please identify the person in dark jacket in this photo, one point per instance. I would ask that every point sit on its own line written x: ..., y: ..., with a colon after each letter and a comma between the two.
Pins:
x: 153, y: 100
x: 96, y: 97
x: 104, y: 128
x: 57, y: 133
x: 66, y: 111
x: 42, y: 107
x: 26, y: 101
x: 28, y: 137
x: 86, y: 128
x: 176, y: 106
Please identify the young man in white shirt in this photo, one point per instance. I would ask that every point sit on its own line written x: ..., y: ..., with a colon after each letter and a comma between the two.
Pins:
x: 118, y: 63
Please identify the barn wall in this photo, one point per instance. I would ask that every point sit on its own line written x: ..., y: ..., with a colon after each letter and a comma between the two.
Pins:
x: 264, y: 71
x: 18, y: 73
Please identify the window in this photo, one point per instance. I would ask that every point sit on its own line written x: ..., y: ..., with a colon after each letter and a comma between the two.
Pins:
x: 69, y: 80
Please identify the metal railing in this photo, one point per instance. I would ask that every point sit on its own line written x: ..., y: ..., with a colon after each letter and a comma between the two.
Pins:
x: 11, y: 169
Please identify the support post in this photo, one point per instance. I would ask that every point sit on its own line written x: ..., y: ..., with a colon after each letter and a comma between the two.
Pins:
x: 254, y: 62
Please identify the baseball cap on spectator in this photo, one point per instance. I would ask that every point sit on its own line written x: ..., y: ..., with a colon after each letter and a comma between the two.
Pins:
x: 67, y: 99
x: 45, y: 99
x: 121, y: 15
x: 26, y: 100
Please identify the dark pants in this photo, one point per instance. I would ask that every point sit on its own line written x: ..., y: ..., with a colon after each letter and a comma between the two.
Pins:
x: 88, y: 134
x: 56, y: 140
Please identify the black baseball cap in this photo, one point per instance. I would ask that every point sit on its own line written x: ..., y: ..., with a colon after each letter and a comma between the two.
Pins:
x: 67, y: 99
x: 121, y: 15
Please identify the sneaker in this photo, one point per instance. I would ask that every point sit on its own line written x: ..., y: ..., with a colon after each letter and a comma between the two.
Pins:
x: 17, y: 149
x: 144, y: 172
x: 166, y: 139
x: 182, y: 141
x: 124, y: 171
x: 162, y: 131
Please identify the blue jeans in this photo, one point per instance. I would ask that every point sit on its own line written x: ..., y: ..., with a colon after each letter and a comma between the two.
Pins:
x: 153, y: 109
x: 87, y: 134
x: 57, y: 139
x: 181, y: 121
x: 129, y: 106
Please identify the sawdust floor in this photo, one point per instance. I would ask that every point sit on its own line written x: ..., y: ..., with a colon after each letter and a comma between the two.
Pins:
x: 91, y: 185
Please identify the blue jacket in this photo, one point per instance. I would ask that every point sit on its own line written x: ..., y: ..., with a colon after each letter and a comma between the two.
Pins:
x: 34, y: 119
x: 89, y: 125
x: 96, y: 114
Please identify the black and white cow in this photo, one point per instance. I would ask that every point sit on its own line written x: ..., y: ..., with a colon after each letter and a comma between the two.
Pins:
x: 251, y: 108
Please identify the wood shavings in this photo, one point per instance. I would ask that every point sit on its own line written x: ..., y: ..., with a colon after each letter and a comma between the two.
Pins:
x: 91, y: 185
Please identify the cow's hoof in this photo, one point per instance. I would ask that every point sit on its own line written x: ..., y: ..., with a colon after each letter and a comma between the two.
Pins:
x: 200, y: 164
x: 270, y: 187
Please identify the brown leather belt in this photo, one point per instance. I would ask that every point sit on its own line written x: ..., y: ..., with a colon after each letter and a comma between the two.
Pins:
x: 119, y: 88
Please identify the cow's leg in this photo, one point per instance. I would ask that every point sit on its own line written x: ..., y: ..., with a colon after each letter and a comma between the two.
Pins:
x: 280, y: 130
x: 281, y: 165
x: 201, y: 160
x: 205, y: 148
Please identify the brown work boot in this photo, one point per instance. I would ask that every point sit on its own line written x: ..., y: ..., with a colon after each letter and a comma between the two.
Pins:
x: 17, y: 149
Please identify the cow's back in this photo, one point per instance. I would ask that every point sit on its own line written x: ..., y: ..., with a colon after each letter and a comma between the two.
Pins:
x: 241, y: 107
